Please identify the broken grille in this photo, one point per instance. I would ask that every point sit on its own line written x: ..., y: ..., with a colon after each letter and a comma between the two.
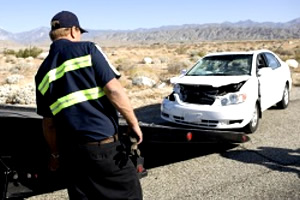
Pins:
x: 206, y: 95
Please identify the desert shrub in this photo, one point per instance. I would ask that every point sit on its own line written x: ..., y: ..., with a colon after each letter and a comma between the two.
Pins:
x: 164, y: 59
x: 125, y: 82
x: 21, y: 67
x: 123, y: 64
x: 197, y: 53
x: 195, y: 59
x: 14, y: 79
x: 181, y: 50
x: 283, y: 52
x: 11, y: 59
x: 297, y: 55
x: 9, y: 52
x: 156, y: 61
x: 143, y: 70
x: 176, y: 66
x: 29, y: 52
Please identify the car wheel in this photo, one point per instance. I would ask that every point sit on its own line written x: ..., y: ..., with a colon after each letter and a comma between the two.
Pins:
x: 285, y: 99
x: 252, y: 126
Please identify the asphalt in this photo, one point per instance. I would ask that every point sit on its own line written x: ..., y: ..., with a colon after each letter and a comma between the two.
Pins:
x: 267, y: 167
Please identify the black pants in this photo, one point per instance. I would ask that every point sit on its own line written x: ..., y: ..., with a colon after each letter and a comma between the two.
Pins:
x: 101, y: 172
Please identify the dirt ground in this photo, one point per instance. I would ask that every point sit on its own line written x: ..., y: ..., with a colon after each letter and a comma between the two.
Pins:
x: 166, y: 61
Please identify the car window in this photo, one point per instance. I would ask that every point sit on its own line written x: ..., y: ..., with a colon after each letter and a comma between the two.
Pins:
x: 272, y: 61
x: 261, y: 60
x: 222, y: 65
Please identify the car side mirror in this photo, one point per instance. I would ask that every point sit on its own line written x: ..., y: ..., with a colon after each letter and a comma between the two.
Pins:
x: 183, y: 72
x: 260, y: 66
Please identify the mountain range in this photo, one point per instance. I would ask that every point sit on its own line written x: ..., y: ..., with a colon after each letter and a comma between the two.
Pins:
x: 242, y: 30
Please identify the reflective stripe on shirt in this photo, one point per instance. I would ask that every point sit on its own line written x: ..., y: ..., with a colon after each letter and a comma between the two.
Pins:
x: 117, y: 73
x: 76, y: 97
x: 57, y: 73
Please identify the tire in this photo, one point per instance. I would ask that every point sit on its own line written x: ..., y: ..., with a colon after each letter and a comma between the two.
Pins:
x: 252, y: 126
x: 283, y: 104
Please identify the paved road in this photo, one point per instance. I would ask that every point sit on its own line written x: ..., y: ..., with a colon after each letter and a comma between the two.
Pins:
x: 267, y: 167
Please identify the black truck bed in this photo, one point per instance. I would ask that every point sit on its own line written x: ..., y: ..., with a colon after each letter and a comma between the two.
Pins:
x: 24, y: 153
x: 154, y: 128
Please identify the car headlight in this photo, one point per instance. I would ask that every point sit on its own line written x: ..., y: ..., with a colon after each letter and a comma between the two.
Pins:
x: 233, y: 98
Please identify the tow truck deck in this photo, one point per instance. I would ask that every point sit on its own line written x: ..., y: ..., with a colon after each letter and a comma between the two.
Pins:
x: 23, y: 150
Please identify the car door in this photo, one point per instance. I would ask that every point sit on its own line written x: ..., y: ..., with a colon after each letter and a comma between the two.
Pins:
x: 278, y: 77
x: 266, y: 85
x: 271, y: 80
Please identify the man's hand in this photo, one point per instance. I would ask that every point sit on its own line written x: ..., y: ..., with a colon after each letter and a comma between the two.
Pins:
x: 53, y: 164
x: 136, y: 132
x: 49, y: 131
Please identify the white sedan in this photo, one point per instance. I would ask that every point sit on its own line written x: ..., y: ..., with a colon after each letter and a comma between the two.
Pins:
x: 229, y: 90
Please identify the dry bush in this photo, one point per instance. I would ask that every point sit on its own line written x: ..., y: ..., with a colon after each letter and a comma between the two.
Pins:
x: 148, y: 96
x: 9, y: 52
x: 11, y: 59
x: 176, y: 66
x: 297, y: 55
x: 197, y: 53
x: 22, y: 68
x: 14, y: 79
x: 181, y: 50
x: 156, y: 61
x: 123, y: 64
x: 143, y: 70
x: 125, y: 82
x: 24, y: 53
x: 164, y: 59
x: 283, y: 52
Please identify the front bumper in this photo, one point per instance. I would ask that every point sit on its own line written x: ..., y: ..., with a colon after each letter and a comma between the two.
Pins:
x: 207, y: 116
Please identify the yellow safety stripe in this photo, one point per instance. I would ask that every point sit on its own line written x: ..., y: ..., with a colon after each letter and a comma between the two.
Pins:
x: 57, y: 73
x: 76, y: 97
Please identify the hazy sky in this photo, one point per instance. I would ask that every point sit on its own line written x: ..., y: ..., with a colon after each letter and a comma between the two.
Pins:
x: 19, y: 15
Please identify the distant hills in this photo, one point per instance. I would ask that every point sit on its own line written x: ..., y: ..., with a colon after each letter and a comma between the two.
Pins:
x: 242, y: 30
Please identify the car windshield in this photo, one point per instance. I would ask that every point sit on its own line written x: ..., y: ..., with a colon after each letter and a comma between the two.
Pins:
x: 222, y: 65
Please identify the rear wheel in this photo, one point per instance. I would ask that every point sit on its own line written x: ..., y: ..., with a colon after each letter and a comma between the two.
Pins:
x: 285, y: 98
x: 252, y: 126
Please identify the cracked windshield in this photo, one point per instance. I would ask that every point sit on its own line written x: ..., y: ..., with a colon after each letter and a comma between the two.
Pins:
x: 222, y: 66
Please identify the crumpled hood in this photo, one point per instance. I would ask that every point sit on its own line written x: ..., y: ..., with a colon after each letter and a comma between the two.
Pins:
x: 215, y: 81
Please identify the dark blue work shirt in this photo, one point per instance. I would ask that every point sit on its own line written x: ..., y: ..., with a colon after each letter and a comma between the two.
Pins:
x: 70, y: 85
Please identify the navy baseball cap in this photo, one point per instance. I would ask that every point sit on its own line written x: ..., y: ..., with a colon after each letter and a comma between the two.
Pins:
x: 65, y: 19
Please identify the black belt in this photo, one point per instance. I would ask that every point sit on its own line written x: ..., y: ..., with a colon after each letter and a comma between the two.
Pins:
x: 110, y: 139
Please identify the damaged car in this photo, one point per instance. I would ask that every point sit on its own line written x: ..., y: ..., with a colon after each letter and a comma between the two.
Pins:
x: 229, y: 90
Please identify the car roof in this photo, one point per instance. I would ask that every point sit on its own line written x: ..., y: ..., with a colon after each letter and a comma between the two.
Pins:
x: 239, y: 53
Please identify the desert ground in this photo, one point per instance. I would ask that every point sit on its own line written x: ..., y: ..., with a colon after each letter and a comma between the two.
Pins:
x: 158, y: 62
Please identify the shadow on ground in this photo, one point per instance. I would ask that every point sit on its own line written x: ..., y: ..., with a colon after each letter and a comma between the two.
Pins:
x: 149, y: 114
x: 159, y: 154
x: 277, y: 159
x: 164, y: 153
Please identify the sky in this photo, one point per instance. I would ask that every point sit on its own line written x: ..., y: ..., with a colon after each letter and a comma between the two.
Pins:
x: 19, y: 15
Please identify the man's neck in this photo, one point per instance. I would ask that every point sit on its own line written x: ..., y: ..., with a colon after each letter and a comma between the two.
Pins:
x: 67, y: 38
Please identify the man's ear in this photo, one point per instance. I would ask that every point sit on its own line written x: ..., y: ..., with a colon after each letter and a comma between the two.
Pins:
x: 73, y: 32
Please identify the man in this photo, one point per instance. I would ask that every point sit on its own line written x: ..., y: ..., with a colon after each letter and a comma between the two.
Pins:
x: 78, y: 95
